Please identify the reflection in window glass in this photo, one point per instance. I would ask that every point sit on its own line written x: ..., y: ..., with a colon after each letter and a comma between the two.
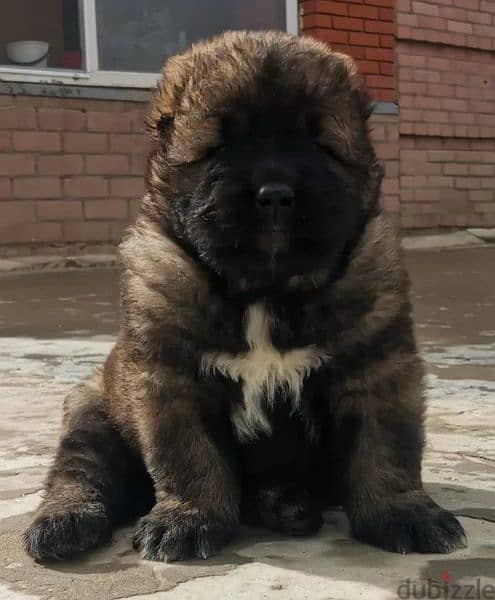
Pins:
x: 40, y: 34
x: 140, y: 35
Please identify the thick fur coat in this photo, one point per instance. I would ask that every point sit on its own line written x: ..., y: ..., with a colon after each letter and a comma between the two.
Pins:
x: 266, y: 365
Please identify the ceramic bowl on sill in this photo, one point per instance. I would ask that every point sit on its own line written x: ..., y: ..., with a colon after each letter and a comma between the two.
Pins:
x: 28, y: 53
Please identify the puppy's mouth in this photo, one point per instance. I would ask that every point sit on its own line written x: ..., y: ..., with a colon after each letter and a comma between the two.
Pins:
x: 274, y: 241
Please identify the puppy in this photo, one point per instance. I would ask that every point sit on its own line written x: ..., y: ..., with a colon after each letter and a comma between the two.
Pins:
x: 266, y: 364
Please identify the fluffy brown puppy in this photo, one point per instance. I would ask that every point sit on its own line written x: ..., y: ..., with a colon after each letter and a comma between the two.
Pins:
x: 266, y: 364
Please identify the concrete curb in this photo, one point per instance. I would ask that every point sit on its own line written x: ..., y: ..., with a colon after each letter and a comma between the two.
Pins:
x: 454, y: 239
x: 25, y: 264
x: 28, y: 264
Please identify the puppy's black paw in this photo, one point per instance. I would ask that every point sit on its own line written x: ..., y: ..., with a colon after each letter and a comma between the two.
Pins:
x: 172, y: 534
x: 411, y: 525
x: 285, y: 508
x: 62, y: 535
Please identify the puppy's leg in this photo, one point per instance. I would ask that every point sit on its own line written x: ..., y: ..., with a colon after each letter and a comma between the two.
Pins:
x: 386, y: 503
x: 88, y: 488
x: 197, y: 497
x: 285, y: 507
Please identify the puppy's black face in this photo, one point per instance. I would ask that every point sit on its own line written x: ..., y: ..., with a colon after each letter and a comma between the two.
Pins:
x: 268, y: 202
x: 264, y: 169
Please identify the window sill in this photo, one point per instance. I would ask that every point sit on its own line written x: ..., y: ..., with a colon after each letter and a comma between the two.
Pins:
x: 118, y: 79
x: 106, y: 92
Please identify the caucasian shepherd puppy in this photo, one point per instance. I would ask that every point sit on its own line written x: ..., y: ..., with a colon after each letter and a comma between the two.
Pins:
x: 266, y: 364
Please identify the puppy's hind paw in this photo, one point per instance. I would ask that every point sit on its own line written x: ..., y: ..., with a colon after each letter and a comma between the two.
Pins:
x: 61, y: 535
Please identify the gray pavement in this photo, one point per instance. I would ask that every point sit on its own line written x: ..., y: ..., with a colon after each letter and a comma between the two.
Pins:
x: 56, y: 326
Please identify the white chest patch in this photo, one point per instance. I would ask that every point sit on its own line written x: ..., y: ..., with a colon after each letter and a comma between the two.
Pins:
x: 263, y: 371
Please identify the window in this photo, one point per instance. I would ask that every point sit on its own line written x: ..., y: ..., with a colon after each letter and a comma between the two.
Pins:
x: 120, y: 43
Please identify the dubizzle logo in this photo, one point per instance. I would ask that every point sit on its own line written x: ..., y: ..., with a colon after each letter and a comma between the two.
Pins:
x: 446, y: 590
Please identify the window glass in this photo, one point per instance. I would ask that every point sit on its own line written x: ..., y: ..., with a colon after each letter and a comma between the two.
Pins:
x: 39, y: 34
x: 139, y: 35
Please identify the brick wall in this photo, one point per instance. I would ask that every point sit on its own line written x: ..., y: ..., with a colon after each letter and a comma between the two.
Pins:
x: 70, y: 170
x: 446, y: 84
x: 365, y: 29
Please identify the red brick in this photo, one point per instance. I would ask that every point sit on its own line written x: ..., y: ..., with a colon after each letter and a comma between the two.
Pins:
x: 13, y: 117
x: 481, y: 195
x: 85, y: 142
x: 363, y: 12
x: 312, y: 21
x: 455, y: 169
x: 364, y: 39
x: 459, y: 27
x: 481, y: 170
x: 387, y: 69
x: 380, y: 54
x: 380, y: 81
x: 86, y: 186
x: 449, y: 12
x: 17, y: 211
x: 385, y: 3
x: 86, y: 231
x: 356, y: 52
x: 5, y: 187
x: 347, y: 23
x: 328, y: 35
x: 30, y: 233
x: 110, y: 208
x: 138, y: 164
x: 478, y: 17
x: 5, y: 141
x: 59, y: 210
x: 107, y: 164
x: 110, y: 122
x: 410, y: 60
x: 367, y: 66
x: 486, y: 6
x: 126, y: 187
x: 387, y: 41
x: 379, y: 27
x: 61, y: 119
x: 37, y: 187
x: 36, y: 141
x: 487, y: 183
x: 132, y: 143
x: 487, y: 207
x: 423, y: 8
x: 16, y: 164
x: 386, y: 14
x: 325, y: 6
x: 60, y: 164
x: 435, y: 23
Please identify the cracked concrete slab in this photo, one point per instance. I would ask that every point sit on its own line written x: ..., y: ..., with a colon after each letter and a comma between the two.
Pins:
x: 55, y: 327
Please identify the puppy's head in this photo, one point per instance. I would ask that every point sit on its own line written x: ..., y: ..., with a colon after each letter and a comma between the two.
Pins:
x: 262, y: 165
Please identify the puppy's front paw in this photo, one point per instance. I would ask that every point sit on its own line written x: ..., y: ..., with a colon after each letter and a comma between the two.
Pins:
x: 172, y: 534
x: 411, y: 524
x: 62, y: 534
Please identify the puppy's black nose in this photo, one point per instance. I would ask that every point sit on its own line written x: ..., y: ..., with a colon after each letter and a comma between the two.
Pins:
x: 275, y: 200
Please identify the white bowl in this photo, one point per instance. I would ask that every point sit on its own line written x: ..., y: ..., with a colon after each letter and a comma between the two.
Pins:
x: 27, y: 52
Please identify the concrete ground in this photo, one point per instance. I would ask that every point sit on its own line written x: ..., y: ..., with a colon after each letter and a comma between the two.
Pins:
x: 55, y: 327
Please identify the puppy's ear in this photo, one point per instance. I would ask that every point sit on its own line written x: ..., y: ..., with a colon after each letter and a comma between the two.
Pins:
x: 166, y: 99
x: 362, y: 99
x: 360, y: 96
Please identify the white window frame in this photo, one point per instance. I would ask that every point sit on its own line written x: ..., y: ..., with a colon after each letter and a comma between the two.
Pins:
x: 91, y: 75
